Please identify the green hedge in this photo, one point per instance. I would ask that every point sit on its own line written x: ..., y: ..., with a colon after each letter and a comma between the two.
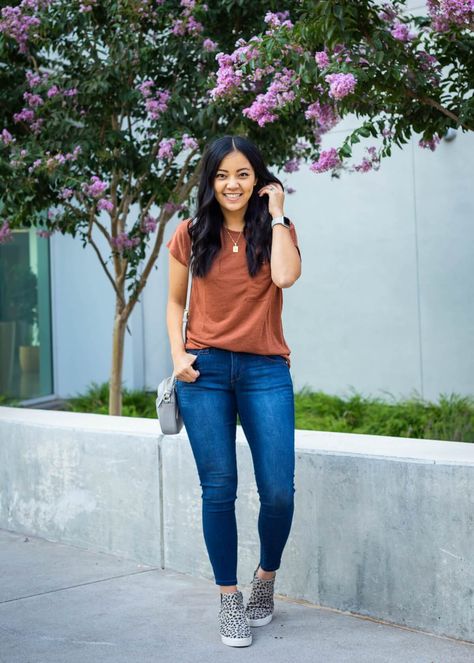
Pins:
x: 452, y: 418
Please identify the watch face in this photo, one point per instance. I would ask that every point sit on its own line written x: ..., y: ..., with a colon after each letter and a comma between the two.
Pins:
x: 286, y: 221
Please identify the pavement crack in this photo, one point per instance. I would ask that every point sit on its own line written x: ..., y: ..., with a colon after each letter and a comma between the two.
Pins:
x: 81, y: 584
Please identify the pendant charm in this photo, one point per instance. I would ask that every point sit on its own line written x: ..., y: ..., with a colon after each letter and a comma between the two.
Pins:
x: 236, y: 248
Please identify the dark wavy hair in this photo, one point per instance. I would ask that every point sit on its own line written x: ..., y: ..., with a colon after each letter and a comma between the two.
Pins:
x: 205, y: 232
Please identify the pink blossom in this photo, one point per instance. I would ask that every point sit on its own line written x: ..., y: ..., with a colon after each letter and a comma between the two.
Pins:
x: 145, y: 87
x: 171, y: 207
x: 328, y: 160
x: 209, y: 45
x: 36, y: 126
x: 301, y: 146
x: 123, y: 241
x: 291, y: 166
x: 278, y: 19
x: 322, y: 59
x: 193, y: 26
x: 87, y: 6
x: 105, y: 204
x: 53, y: 91
x: 6, y: 234
x: 18, y: 25
x: 179, y: 28
x: 444, y: 13
x: 290, y: 190
x: 165, y: 150
x: 324, y: 115
x: 33, y: 79
x: 227, y: 78
x: 96, y: 187
x: 189, y: 142
x: 245, y: 52
x: 340, y: 85
x: 65, y: 194
x: 279, y: 94
x: 158, y: 104
x: 401, y: 32
x: 72, y: 92
x: 371, y: 162
x: 25, y: 115
x: 32, y: 100
x: 387, y: 14
x: 427, y: 61
x: 431, y: 143
x: 149, y: 224
x: 72, y: 156
x: 6, y: 137
x: 44, y: 233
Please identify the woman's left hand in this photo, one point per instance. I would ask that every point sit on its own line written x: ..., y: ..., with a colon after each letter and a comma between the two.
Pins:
x: 276, y: 197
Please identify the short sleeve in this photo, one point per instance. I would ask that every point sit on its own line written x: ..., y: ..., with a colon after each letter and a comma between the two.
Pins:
x: 180, y: 243
x: 294, y: 237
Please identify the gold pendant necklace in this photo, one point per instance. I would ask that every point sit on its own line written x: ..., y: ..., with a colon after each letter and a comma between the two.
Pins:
x: 235, y: 248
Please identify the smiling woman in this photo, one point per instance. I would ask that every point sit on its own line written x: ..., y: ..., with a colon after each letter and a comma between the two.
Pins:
x: 242, y: 251
x: 234, y: 185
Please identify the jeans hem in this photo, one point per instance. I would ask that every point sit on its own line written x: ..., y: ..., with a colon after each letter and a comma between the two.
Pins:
x: 226, y: 584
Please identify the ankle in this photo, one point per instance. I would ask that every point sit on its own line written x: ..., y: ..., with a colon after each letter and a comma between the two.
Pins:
x: 228, y: 589
x: 265, y: 575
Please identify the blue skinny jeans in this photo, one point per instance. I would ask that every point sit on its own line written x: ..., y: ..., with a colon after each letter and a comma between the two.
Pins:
x: 259, y: 388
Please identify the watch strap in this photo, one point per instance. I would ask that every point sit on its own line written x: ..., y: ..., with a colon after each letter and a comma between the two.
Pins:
x: 282, y: 220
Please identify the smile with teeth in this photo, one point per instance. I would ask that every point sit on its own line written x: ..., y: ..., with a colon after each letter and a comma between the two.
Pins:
x: 232, y: 196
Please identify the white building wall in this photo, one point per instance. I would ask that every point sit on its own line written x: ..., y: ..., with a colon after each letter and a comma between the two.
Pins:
x: 82, y: 305
x: 384, y: 305
x: 385, y: 302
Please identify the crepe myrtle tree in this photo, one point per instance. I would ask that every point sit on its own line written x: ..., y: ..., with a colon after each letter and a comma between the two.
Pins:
x: 396, y: 72
x: 105, y: 108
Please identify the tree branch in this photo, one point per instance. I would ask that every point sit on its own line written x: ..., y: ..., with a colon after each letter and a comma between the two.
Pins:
x: 435, y: 104
x: 101, y: 260
x: 163, y: 219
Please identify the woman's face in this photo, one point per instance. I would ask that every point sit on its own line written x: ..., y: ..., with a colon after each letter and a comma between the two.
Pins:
x: 234, y: 182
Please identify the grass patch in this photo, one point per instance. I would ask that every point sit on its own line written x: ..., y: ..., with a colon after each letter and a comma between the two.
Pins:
x: 135, y: 402
x: 452, y: 418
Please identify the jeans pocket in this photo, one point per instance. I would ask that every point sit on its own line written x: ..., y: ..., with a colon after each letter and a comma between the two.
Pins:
x: 198, y: 351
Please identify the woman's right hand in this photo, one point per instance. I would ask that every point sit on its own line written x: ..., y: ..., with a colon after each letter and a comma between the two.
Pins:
x: 182, y: 367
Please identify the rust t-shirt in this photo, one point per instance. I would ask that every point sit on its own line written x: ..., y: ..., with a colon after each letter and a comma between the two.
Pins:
x: 228, y: 308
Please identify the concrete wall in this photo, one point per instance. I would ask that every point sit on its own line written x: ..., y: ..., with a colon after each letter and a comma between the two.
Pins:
x: 383, y: 527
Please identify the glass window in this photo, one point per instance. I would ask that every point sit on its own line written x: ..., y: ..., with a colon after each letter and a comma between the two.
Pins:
x: 25, y: 317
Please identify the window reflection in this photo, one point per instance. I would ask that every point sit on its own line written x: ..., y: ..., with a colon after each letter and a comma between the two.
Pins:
x: 25, y: 321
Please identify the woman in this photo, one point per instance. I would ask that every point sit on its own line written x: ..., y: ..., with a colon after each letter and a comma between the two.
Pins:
x: 236, y: 361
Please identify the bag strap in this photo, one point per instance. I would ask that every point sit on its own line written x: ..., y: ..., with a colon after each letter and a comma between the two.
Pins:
x: 188, y: 297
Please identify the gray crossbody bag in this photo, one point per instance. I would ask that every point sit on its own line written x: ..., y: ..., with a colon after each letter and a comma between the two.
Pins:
x: 167, y: 410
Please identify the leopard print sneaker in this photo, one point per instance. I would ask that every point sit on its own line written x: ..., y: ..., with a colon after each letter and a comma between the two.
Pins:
x: 233, y: 625
x: 260, y: 606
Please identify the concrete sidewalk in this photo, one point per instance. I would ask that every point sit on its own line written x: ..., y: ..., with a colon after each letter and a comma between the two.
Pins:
x: 64, y: 604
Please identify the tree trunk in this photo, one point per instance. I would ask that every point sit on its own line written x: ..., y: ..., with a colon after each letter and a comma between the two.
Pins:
x: 115, y: 384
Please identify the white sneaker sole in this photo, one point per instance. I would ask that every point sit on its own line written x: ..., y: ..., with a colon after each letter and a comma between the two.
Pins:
x: 236, y: 642
x: 260, y: 622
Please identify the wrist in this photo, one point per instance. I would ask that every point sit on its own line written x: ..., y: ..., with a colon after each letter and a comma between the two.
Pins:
x: 275, y: 215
